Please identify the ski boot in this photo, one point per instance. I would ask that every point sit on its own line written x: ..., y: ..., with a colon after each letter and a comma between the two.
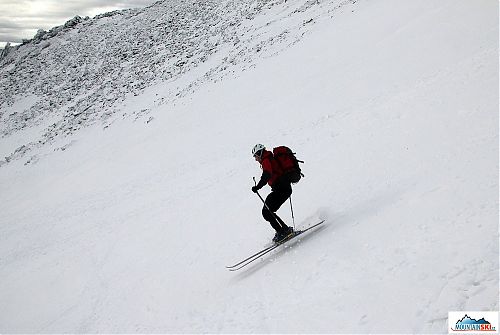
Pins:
x: 282, y: 235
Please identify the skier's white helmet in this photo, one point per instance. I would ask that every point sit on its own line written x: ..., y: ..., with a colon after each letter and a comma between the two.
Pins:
x: 257, y: 150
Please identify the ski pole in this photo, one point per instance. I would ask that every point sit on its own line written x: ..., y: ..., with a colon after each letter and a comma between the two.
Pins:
x: 291, y: 209
x: 265, y: 205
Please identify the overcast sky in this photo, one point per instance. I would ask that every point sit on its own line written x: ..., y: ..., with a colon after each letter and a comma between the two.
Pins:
x: 21, y: 19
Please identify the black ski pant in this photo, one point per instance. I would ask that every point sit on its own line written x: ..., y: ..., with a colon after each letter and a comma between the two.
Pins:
x: 279, y: 194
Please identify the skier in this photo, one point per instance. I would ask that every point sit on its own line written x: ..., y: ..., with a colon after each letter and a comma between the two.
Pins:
x: 281, y: 190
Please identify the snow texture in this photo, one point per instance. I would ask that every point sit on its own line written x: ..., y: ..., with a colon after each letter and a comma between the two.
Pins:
x: 126, y: 168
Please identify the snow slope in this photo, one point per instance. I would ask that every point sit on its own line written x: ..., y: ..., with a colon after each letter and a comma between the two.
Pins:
x: 392, y: 104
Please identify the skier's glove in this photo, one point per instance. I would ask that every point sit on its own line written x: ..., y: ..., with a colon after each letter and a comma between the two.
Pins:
x: 255, y: 189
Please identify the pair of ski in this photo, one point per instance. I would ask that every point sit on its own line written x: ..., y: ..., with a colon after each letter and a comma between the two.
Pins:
x: 264, y: 251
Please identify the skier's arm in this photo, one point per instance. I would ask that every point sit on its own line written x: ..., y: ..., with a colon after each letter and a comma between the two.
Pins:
x: 266, y: 175
x: 267, y: 172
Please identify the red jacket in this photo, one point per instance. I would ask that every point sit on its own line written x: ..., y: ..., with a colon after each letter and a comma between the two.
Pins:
x: 271, y: 169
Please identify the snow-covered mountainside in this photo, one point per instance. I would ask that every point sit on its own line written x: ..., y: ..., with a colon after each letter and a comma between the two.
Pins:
x: 73, y: 75
x: 126, y: 168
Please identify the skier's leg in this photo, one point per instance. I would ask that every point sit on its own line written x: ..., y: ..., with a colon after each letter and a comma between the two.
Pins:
x: 274, y: 201
x: 268, y: 211
x: 268, y: 216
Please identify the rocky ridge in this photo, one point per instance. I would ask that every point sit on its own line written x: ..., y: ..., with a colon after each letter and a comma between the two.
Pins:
x: 79, y: 71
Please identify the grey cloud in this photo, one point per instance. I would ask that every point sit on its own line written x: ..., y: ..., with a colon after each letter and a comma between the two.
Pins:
x: 8, y: 24
x: 16, y: 22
